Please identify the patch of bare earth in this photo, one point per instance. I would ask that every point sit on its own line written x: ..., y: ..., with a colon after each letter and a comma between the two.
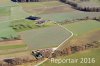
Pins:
x: 48, y: 10
x: 1, y: 17
x: 12, y: 42
x: 19, y: 54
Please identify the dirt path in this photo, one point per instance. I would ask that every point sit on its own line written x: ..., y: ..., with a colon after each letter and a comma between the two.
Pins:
x: 59, y: 45
x: 84, y: 39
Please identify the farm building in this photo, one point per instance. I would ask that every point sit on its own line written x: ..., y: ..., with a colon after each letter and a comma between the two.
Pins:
x: 33, y: 18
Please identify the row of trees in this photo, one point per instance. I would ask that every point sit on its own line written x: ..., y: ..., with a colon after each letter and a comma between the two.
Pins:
x: 21, y: 26
x: 26, y: 26
x: 78, y: 20
x: 74, y: 49
x: 10, y: 38
x: 16, y: 61
x: 76, y: 5
x: 88, y: 9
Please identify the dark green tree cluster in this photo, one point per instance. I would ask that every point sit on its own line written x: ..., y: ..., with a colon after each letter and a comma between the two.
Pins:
x: 11, y: 37
x: 21, y: 26
x: 76, y: 5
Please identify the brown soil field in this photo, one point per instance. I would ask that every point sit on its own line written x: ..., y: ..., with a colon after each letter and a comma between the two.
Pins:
x: 12, y: 42
x: 46, y: 10
x: 84, y: 39
x: 2, y: 17
x: 19, y: 54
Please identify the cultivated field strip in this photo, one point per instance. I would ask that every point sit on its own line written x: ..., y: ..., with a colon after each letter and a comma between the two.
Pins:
x: 68, y: 16
x: 45, y: 37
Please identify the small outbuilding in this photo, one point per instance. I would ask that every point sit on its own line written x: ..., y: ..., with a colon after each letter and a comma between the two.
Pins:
x: 33, y: 18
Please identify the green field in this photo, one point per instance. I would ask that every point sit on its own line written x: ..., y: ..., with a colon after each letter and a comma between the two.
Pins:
x: 61, y: 17
x: 13, y: 14
x: 79, y: 28
x: 25, y: 24
x: 45, y: 37
x: 49, y: 34
x: 53, y: 36
x: 82, y: 27
x: 3, y: 47
x: 93, y: 53
x: 8, y: 33
x: 18, y: 13
x: 6, y: 30
x: 4, y: 11
x: 10, y: 13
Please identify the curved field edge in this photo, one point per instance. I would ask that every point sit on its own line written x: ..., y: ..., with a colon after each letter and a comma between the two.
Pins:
x: 93, y: 26
x: 81, y: 27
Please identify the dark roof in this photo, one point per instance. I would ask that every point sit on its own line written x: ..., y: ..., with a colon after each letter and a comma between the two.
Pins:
x: 33, y: 18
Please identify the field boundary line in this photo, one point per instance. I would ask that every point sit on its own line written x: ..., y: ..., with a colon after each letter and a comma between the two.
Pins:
x: 67, y: 38
x: 60, y: 44
x: 49, y: 6
x: 10, y: 19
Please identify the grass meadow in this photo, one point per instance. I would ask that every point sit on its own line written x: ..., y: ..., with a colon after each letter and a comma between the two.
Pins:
x: 45, y: 37
x: 82, y: 27
x: 68, y: 16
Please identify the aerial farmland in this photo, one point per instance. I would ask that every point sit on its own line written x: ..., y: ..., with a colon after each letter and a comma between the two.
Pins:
x: 33, y: 32
x: 46, y: 37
